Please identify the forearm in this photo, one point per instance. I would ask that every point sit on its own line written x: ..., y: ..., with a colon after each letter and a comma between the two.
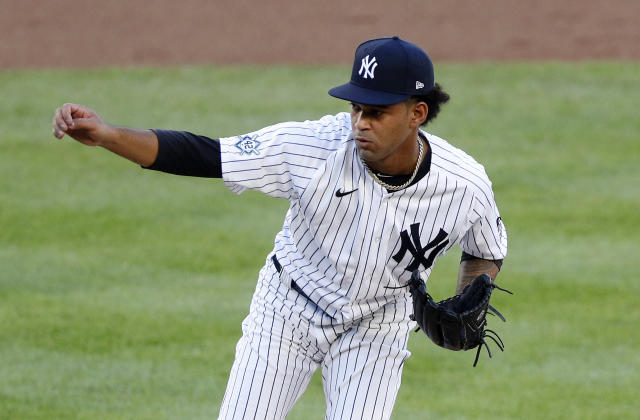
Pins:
x: 472, y: 268
x: 176, y: 152
x: 139, y: 146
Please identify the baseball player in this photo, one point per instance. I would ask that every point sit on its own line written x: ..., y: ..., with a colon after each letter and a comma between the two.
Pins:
x: 373, y: 198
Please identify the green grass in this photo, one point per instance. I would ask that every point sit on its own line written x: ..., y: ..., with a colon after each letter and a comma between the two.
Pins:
x: 122, y: 290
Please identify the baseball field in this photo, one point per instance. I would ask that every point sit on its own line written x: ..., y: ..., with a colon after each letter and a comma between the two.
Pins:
x: 122, y: 290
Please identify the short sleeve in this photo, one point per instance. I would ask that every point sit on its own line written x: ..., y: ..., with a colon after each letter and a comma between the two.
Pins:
x: 280, y: 160
x: 487, y: 236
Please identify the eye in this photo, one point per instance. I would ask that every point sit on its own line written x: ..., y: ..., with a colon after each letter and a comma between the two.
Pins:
x: 373, y: 113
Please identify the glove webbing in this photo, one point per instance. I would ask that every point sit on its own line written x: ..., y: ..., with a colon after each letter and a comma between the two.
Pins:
x: 487, y: 333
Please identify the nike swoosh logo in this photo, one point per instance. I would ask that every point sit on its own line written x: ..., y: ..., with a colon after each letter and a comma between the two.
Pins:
x: 340, y: 193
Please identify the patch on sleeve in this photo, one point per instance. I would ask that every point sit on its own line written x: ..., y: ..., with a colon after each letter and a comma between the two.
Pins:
x: 502, y: 233
x: 248, y: 145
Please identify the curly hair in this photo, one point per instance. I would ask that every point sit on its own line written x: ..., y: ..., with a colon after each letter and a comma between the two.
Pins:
x: 434, y: 99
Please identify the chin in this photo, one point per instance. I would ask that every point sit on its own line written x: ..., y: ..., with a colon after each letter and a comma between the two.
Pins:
x: 367, y: 155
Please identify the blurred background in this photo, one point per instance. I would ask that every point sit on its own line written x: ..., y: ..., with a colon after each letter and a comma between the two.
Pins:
x: 122, y: 290
x: 63, y: 33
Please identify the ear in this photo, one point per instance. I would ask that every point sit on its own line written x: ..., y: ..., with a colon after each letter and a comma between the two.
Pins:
x: 419, y: 112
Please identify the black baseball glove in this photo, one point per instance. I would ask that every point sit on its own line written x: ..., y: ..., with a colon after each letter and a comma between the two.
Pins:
x: 457, y: 323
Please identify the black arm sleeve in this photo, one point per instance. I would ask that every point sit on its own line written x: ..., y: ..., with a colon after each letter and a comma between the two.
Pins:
x: 467, y: 257
x: 184, y: 153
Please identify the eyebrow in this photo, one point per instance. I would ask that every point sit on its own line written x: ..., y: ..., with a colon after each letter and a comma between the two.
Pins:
x: 370, y: 106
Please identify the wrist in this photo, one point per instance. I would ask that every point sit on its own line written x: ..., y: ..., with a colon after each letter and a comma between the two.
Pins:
x: 111, y: 137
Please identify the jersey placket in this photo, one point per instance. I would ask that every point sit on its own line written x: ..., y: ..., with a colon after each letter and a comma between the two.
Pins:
x: 378, y: 241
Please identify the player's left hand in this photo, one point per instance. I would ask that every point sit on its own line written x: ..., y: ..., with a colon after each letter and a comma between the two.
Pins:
x: 457, y: 323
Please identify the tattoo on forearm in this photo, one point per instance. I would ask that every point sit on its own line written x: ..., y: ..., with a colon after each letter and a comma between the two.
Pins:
x: 471, y: 269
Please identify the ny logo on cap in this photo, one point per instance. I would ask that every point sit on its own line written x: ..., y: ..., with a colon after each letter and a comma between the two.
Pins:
x: 368, y: 67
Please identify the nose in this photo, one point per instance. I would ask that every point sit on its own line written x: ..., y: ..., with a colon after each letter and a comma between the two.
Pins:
x: 359, y: 121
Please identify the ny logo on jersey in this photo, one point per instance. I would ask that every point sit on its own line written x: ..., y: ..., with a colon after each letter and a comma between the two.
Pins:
x: 248, y: 145
x: 368, y: 67
x: 414, y: 246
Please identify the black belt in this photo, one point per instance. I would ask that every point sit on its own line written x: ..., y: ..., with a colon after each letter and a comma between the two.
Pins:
x: 276, y: 263
x: 294, y: 286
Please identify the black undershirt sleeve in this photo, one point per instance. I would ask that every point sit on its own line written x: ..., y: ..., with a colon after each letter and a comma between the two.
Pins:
x: 467, y: 257
x: 184, y: 153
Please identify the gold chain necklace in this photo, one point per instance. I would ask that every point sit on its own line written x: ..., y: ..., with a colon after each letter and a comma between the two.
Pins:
x: 406, y: 184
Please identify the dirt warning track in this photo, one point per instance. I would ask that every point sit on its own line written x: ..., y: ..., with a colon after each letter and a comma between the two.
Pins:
x: 64, y: 33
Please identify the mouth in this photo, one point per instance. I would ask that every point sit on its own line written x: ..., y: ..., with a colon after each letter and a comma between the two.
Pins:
x: 364, y: 145
x: 362, y: 141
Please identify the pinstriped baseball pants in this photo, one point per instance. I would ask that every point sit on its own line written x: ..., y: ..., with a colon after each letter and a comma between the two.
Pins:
x: 286, y: 338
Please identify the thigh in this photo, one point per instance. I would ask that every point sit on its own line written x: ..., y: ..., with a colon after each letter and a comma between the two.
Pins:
x: 273, y: 365
x: 362, y: 370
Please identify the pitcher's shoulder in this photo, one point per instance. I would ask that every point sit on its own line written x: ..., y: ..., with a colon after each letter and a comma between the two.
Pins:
x: 454, y: 162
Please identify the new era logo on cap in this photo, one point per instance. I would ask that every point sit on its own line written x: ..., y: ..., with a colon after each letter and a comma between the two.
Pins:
x: 405, y: 70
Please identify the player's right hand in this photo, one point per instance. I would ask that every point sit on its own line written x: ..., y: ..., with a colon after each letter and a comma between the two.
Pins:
x: 79, y: 123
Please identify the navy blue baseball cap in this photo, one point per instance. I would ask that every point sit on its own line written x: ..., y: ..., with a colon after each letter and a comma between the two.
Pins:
x: 387, y: 71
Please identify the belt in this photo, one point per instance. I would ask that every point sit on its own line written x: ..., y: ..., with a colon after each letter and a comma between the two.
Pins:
x: 294, y: 285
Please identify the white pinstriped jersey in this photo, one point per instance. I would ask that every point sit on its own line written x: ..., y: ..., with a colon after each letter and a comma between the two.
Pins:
x: 343, y: 251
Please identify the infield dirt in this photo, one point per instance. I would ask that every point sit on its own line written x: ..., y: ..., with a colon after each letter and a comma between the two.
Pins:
x: 95, y: 33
